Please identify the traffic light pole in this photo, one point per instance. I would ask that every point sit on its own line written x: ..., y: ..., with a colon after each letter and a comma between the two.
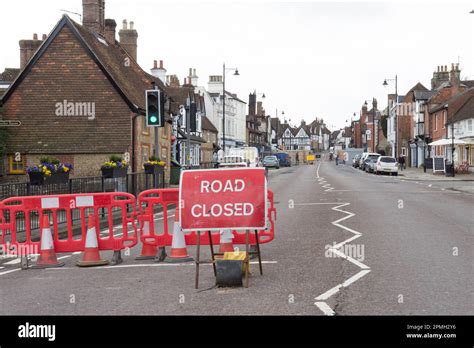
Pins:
x: 157, y: 142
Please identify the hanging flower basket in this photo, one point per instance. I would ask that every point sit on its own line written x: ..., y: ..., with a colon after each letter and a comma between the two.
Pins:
x: 154, y: 166
x: 109, y: 173
x: 49, y: 172
x: 116, y: 167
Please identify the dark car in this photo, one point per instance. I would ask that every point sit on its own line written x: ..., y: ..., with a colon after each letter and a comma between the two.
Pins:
x: 284, y: 159
x: 370, y: 156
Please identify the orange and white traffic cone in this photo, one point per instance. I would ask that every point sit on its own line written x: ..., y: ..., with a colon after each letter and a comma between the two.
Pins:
x: 47, y: 256
x: 149, y: 251
x: 91, y: 256
x: 226, y: 241
x: 179, y: 251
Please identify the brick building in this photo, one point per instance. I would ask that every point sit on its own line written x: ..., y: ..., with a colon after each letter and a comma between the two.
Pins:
x: 79, y: 95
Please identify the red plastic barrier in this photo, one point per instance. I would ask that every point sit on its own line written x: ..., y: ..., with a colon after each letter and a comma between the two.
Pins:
x: 22, y: 210
x: 167, y: 199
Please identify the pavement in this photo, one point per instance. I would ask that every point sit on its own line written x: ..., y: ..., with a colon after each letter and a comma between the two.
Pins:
x: 419, y: 174
x: 347, y: 243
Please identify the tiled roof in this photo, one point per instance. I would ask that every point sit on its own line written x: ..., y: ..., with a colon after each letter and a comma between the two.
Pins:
x: 9, y: 74
x: 466, y: 111
x: 454, y: 103
x: 130, y: 81
x: 207, y: 125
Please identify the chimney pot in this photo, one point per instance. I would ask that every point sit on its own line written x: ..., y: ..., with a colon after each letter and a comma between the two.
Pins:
x: 125, y: 25
x: 35, y: 36
x: 132, y: 24
x: 161, y: 64
x: 44, y: 37
x: 445, y: 68
x: 155, y: 64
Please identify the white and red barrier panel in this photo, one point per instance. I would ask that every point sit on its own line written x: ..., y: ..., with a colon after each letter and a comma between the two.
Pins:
x: 160, y: 235
x: 117, y: 205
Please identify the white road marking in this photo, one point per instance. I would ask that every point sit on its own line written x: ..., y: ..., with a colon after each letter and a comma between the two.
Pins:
x: 355, y: 278
x: 329, y: 293
x: 13, y: 262
x: 10, y: 271
x: 323, y: 306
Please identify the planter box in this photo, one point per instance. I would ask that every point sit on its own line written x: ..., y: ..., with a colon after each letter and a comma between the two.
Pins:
x: 108, y: 173
x: 41, y: 179
x: 154, y: 169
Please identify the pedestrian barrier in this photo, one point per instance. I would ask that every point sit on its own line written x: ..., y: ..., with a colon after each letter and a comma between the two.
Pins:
x: 159, y: 235
x: 108, y: 206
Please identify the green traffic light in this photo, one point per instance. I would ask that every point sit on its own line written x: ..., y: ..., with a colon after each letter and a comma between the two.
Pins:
x: 153, y: 119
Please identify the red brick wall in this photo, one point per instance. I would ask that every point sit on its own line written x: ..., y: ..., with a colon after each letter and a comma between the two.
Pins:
x: 404, y: 133
x: 66, y: 72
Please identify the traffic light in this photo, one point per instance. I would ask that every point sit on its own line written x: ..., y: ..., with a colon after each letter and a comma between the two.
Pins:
x: 154, y: 114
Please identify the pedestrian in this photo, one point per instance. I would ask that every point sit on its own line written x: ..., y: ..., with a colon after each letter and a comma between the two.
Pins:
x: 401, y: 160
x: 337, y: 160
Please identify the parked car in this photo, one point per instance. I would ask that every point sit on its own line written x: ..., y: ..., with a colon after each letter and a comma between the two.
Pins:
x: 370, y: 165
x: 355, y: 161
x: 386, y: 164
x: 284, y: 158
x: 367, y: 156
x: 271, y: 162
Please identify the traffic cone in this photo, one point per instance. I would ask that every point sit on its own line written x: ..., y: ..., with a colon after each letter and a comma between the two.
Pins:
x: 47, y: 256
x: 226, y: 241
x: 148, y: 251
x: 91, y: 256
x: 179, y: 251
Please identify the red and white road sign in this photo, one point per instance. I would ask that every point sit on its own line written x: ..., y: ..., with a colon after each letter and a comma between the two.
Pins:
x: 215, y: 199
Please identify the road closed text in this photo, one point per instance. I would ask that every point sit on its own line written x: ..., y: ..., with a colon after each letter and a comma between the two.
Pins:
x: 227, y: 209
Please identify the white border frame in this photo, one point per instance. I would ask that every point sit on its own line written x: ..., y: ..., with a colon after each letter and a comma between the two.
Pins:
x: 222, y: 228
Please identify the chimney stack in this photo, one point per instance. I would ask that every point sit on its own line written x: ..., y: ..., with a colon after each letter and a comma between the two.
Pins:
x: 252, y: 104
x: 173, y: 81
x: 193, y: 78
x: 159, y: 71
x: 93, y: 14
x: 110, y: 28
x: 28, y: 49
x: 129, y: 39
x: 215, y: 84
x: 455, y: 75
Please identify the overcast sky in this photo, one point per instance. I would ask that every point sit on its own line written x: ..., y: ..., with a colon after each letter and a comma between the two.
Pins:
x: 310, y: 58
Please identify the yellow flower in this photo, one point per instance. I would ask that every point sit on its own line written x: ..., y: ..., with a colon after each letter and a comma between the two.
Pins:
x: 66, y: 169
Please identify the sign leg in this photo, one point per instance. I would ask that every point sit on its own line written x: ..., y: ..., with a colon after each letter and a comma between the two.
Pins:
x: 258, y: 253
x: 198, y: 251
x: 213, y: 257
x: 247, y: 258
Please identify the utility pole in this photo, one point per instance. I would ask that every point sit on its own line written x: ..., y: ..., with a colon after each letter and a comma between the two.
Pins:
x: 223, y: 108
x: 188, y: 136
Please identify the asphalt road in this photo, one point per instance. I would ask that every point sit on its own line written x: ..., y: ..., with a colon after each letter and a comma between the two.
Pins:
x: 407, y: 248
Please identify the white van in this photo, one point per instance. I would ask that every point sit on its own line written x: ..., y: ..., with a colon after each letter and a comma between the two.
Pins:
x: 249, y: 154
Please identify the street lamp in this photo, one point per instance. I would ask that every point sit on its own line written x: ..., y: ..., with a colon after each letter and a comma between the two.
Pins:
x: 385, y: 84
x: 236, y: 73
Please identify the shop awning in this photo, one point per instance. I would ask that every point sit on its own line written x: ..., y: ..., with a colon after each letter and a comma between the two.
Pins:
x: 442, y: 142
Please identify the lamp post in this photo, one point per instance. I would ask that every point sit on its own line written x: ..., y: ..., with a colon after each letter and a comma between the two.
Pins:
x: 385, y: 84
x: 236, y: 73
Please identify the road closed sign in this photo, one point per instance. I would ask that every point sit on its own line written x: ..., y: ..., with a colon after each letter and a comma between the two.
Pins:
x: 223, y: 198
